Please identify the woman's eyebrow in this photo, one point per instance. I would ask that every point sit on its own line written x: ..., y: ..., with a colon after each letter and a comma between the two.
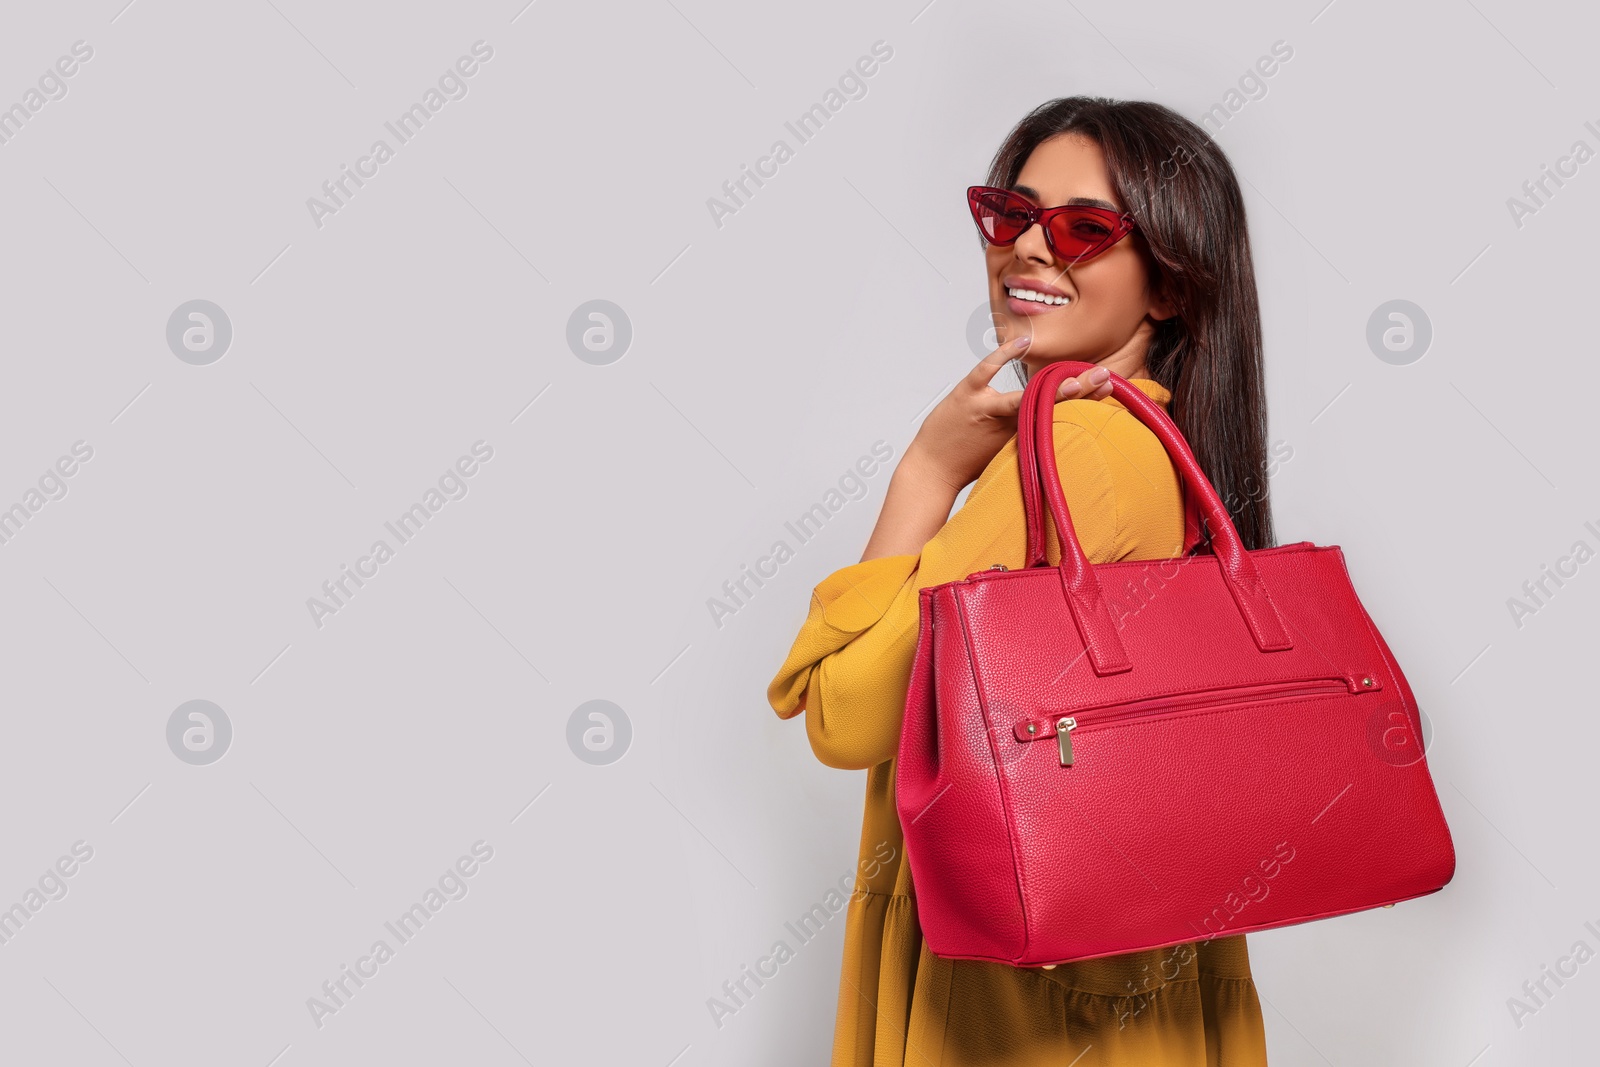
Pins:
x: 1076, y: 201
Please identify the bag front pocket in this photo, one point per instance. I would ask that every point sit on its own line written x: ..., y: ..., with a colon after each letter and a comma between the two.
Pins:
x: 1062, y: 723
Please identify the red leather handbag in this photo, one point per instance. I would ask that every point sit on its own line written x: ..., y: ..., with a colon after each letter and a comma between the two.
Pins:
x: 1103, y: 758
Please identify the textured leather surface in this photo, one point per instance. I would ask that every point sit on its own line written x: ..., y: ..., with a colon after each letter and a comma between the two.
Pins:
x: 1231, y: 710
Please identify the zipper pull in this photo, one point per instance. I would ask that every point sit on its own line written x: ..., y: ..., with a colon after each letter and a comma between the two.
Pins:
x: 1064, y: 728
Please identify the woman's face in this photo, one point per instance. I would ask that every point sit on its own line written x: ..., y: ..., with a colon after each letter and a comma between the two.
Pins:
x: 1108, y: 297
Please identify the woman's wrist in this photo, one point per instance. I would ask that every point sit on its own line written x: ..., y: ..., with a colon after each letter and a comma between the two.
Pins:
x: 915, y: 507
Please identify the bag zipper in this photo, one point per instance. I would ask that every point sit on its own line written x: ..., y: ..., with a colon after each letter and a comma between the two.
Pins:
x: 1062, y: 726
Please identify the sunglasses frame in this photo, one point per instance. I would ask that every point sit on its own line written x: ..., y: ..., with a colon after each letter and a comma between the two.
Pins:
x: 1120, y: 223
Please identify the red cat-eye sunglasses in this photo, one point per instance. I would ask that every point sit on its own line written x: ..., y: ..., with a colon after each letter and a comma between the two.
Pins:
x: 1075, y: 233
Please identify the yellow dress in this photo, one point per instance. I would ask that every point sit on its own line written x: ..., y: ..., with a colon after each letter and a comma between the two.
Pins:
x: 1192, y: 1005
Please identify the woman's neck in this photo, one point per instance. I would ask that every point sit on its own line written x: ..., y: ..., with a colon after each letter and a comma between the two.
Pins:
x: 1127, y: 361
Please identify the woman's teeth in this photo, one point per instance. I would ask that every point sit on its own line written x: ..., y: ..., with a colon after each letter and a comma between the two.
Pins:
x: 1040, y: 298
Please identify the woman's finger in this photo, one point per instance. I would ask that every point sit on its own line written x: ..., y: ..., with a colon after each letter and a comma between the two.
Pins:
x: 1011, y: 403
x: 990, y: 365
x: 1094, y: 384
x: 1000, y: 405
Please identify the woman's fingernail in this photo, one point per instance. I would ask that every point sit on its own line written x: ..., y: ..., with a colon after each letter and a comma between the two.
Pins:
x: 1022, y: 342
x: 1098, y: 375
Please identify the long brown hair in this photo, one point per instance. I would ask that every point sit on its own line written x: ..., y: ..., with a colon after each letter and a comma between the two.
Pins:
x: 1175, y: 181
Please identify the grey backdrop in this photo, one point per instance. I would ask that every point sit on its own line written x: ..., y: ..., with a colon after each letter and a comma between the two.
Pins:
x: 366, y: 750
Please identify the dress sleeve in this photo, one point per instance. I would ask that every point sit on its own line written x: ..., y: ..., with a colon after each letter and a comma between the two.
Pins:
x: 850, y: 666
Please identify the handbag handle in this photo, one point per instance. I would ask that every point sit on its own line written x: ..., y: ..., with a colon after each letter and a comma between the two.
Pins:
x: 1036, y: 460
x: 1034, y: 511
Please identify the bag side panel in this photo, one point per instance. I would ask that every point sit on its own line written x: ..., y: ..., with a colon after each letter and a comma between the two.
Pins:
x: 948, y: 796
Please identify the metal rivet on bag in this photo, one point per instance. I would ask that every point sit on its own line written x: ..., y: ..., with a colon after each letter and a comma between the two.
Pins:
x: 1366, y: 681
x: 1388, y: 905
x: 1032, y: 729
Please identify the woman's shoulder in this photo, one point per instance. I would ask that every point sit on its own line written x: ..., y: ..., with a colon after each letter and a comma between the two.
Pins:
x: 1111, y: 413
x: 1102, y: 435
x: 1124, y: 493
x: 1116, y: 429
x: 1128, y: 455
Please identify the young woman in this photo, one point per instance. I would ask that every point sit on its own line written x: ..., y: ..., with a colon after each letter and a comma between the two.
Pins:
x: 1148, y: 274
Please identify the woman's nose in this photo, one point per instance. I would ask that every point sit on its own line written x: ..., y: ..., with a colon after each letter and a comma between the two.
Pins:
x: 1032, y: 245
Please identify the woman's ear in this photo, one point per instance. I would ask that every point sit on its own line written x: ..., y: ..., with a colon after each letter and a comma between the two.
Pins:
x: 1160, y: 308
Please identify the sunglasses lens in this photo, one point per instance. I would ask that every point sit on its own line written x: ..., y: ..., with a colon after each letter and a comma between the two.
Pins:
x: 1001, y: 218
x: 1078, y: 234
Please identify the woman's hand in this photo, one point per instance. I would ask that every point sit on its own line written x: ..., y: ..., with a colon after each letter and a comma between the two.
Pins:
x: 970, y: 425
x: 963, y: 432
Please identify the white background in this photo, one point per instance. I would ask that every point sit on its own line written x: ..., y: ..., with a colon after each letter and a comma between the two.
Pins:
x: 768, y: 354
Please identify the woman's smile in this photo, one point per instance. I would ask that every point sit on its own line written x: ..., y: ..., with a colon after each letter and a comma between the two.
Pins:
x: 1028, y: 296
